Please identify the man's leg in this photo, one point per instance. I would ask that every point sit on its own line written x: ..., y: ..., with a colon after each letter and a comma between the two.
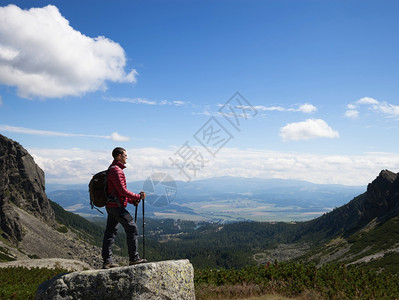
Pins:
x: 109, y: 236
x: 131, y: 230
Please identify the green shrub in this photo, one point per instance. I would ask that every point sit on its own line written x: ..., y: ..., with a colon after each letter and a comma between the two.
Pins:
x: 62, y: 229
x: 331, y: 281
x: 22, y: 283
x: 5, y: 255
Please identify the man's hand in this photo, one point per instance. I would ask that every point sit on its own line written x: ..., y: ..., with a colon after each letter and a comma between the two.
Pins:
x: 142, y: 195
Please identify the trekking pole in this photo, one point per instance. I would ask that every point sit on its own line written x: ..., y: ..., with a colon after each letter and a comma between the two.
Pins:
x: 143, y: 233
x: 135, y: 214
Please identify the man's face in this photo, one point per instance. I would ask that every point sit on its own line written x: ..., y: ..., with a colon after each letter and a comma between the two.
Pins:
x: 122, y: 157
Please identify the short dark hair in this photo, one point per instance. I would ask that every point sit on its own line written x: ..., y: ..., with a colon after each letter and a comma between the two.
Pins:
x: 117, y: 151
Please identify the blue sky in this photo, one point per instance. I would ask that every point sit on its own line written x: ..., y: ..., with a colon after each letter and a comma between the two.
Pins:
x: 272, y: 89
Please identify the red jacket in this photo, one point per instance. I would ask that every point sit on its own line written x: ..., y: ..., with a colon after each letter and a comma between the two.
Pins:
x: 117, y: 186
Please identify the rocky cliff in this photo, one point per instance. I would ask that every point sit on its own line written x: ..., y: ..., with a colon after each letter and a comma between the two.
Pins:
x: 382, y: 197
x: 21, y: 185
x: 27, y: 221
x: 379, y: 202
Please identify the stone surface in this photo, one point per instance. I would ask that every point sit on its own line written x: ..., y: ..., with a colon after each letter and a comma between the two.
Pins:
x: 159, y: 280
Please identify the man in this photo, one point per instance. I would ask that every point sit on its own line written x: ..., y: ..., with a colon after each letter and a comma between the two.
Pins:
x: 116, y: 208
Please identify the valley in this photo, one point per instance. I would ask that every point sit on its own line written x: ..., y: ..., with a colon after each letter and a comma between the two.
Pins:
x: 226, y: 199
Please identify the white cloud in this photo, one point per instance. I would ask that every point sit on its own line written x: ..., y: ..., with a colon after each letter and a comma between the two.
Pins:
x: 384, y: 108
x: 144, y: 101
x: 351, y: 106
x: 42, y: 55
x: 337, y: 169
x: 174, y: 103
x: 269, y: 108
x: 352, y: 113
x: 119, y: 138
x: 305, y: 130
x: 206, y: 113
x: 131, y: 100
x: 178, y: 103
x: 7, y: 53
x: 366, y: 100
x: 387, y: 109
x: 65, y: 165
x: 114, y: 136
x: 306, y: 108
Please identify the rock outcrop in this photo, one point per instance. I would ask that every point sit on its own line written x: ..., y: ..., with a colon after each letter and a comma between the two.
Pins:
x: 43, y: 241
x: 379, y: 202
x: 28, y: 225
x: 21, y: 184
x: 159, y: 280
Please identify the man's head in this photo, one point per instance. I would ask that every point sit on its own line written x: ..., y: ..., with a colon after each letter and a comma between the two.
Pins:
x: 119, y: 154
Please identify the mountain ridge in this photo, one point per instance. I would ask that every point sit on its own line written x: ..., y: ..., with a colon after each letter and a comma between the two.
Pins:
x: 377, y: 202
x: 81, y: 186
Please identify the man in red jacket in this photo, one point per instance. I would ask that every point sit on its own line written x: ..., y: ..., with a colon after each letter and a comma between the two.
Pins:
x: 117, y: 212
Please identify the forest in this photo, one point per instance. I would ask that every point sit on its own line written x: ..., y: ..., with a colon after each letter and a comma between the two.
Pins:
x: 237, y: 245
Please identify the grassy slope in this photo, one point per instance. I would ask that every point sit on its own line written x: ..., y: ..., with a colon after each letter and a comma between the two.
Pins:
x: 375, y: 246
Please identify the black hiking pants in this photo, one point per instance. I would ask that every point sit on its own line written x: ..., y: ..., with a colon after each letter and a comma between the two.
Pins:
x: 120, y: 215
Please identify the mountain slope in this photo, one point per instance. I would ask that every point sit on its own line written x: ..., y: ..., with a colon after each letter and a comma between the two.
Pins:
x: 21, y: 184
x: 364, y: 231
x: 380, y: 202
x: 29, y: 227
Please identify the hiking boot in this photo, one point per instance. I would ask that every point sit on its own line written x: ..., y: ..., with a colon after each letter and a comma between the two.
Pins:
x: 110, y: 266
x: 137, y: 261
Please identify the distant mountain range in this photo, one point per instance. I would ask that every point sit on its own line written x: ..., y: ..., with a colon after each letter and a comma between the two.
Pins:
x: 223, y: 199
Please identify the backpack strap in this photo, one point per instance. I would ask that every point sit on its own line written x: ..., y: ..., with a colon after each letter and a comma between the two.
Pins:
x: 112, y: 197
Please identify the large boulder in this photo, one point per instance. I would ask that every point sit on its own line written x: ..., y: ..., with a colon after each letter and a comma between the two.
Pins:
x: 159, y: 280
